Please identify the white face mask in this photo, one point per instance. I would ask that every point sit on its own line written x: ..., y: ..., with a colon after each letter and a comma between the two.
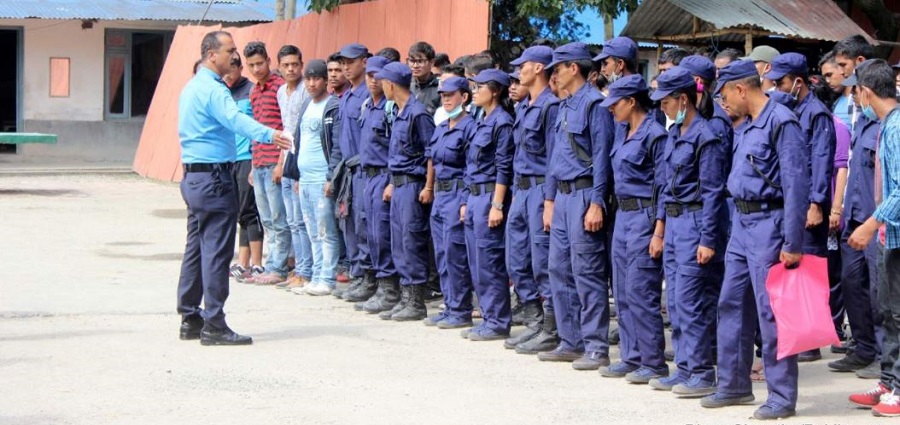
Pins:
x: 794, y: 86
x: 456, y: 111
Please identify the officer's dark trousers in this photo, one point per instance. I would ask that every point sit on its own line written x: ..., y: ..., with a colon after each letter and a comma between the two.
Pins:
x: 889, y: 303
x: 354, y: 228
x: 378, y: 226
x: 859, y: 284
x: 449, y: 236
x: 528, y: 246
x: 485, y: 247
x: 755, y: 245
x: 212, y: 205
x: 409, y: 233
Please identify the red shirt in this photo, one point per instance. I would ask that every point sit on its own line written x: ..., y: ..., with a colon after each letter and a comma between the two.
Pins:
x: 264, y: 100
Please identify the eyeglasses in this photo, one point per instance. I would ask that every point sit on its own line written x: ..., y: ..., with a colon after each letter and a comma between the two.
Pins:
x: 416, y: 62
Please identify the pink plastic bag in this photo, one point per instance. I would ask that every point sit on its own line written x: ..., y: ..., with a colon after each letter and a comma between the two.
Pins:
x: 799, y: 299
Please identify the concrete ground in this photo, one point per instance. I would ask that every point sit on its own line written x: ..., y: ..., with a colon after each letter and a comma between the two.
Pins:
x: 88, y: 335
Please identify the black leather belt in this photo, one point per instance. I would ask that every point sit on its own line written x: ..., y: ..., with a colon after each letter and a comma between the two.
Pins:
x: 570, y: 186
x: 208, y: 168
x: 447, y: 185
x: 527, y: 182
x: 478, y: 189
x: 398, y: 180
x: 374, y: 171
x: 750, y: 207
x: 676, y: 209
x: 634, y: 204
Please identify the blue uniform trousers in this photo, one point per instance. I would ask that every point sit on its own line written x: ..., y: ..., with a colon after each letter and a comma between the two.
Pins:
x: 528, y: 246
x: 579, y: 275
x: 451, y: 259
x: 409, y: 233
x: 859, y: 284
x: 212, y: 205
x: 378, y: 225
x: 755, y: 246
x: 485, y: 247
x: 637, y: 279
x: 354, y: 227
x: 691, y: 295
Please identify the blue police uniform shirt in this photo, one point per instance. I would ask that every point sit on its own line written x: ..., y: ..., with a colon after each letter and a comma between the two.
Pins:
x: 721, y: 125
x: 408, y: 156
x: 638, y: 163
x: 696, y: 173
x: 859, y: 200
x: 490, y: 160
x: 766, y: 170
x: 373, y: 135
x: 534, y: 134
x: 593, y: 132
x: 448, y: 148
x: 351, y: 124
x: 818, y: 126
x: 208, y: 119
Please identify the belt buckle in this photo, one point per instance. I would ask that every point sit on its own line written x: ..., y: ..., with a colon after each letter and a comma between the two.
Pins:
x: 564, y: 187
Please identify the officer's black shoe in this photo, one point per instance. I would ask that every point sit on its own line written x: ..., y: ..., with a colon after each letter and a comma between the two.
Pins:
x: 545, y: 340
x: 810, y: 356
x: 560, y: 355
x: 378, y: 293
x: 387, y: 299
x: 715, y: 400
x: 669, y: 355
x: 211, y: 335
x: 430, y: 295
x: 516, y: 312
x: 366, y: 288
x: 526, y: 335
x: 355, y: 282
x: 614, y: 337
x: 850, y: 363
x: 190, y: 328
x: 532, y: 313
x: 415, y: 305
x: 404, y: 299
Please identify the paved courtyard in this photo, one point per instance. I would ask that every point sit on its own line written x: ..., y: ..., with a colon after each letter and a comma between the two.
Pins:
x: 88, y: 335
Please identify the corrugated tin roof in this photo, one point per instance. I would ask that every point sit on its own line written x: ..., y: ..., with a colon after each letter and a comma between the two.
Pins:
x: 809, y: 19
x: 135, y: 10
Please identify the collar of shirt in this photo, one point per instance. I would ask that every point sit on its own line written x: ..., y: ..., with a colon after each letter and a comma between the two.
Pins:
x: 205, y: 72
x: 764, y: 116
x: 411, y: 104
x: 544, y: 97
x: 576, y: 100
x: 641, y: 132
x: 360, y: 91
x: 269, y: 81
x: 694, y: 130
x: 497, y: 116
x: 459, y: 125
x: 376, y: 105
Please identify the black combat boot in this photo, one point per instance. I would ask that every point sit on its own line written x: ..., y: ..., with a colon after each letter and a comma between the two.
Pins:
x: 365, y: 290
x: 415, y: 305
x: 390, y: 296
x: 404, y: 299
x: 546, y: 340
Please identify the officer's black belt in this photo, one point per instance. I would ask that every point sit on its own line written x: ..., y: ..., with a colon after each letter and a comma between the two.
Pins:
x: 527, y: 182
x: 677, y: 209
x: 750, y: 207
x: 634, y: 204
x: 448, y: 185
x: 208, y: 167
x: 374, y: 171
x: 398, y: 180
x: 569, y: 186
x: 354, y: 168
x: 478, y: 189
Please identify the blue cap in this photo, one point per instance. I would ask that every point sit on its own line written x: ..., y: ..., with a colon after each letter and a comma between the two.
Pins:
x: 395, y: 72
x: 676, y: 78
x: 376, y: 63
x: 353, y: 51
x: 700, y: 66
x: 737, y: 70
x: 514, y: 75
x: 627, y: 86
x: 788, y: 64
x: 850, y: 81
x: 453, y: 84
x: 619, y: 47
x: 492, y: 74
x: 570, y: 52
x: 539, y: 54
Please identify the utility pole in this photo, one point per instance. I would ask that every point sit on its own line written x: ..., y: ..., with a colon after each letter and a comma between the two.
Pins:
x: 290, y: 9
x: 279, y: 10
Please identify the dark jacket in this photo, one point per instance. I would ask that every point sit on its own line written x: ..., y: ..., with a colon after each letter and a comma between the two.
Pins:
x: 427, y: 93
x: 331, y: 126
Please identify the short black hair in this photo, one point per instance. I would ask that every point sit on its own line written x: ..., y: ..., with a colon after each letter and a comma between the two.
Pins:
x: 334, y: 57
x: 211, y: 42
x: 390, y: 54
x: 730, y: 54
x: 878, y: 76
x: 254, y: 48
x: 853, y: 47
x: 479, y: 63
x: 828, y: 57
x: 289, y: 50
x: 422, y: 48
x: 584, y: 66
x: 456, y: 70
x: 673, y: 56
x: 544, y: 42
x: 441, y: 61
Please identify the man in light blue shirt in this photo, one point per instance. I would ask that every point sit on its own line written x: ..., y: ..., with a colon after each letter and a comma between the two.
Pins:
x: 208, y: 119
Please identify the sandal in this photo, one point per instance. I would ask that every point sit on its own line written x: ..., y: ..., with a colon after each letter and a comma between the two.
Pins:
x: 758, y: 373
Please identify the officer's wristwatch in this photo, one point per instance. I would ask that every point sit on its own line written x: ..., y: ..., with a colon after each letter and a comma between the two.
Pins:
x: 497, y: 205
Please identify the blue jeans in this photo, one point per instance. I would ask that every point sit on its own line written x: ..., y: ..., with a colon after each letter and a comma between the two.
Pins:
x: 318, y: 213
x: 270, y: 203
x: 299, y: 237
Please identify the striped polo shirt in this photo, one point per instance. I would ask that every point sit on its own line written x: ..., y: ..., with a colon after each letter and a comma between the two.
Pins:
x: 264, y: 100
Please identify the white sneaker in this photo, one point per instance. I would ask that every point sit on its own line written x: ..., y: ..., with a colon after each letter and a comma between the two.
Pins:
x: 318, y: 289
x: 301, y: 290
